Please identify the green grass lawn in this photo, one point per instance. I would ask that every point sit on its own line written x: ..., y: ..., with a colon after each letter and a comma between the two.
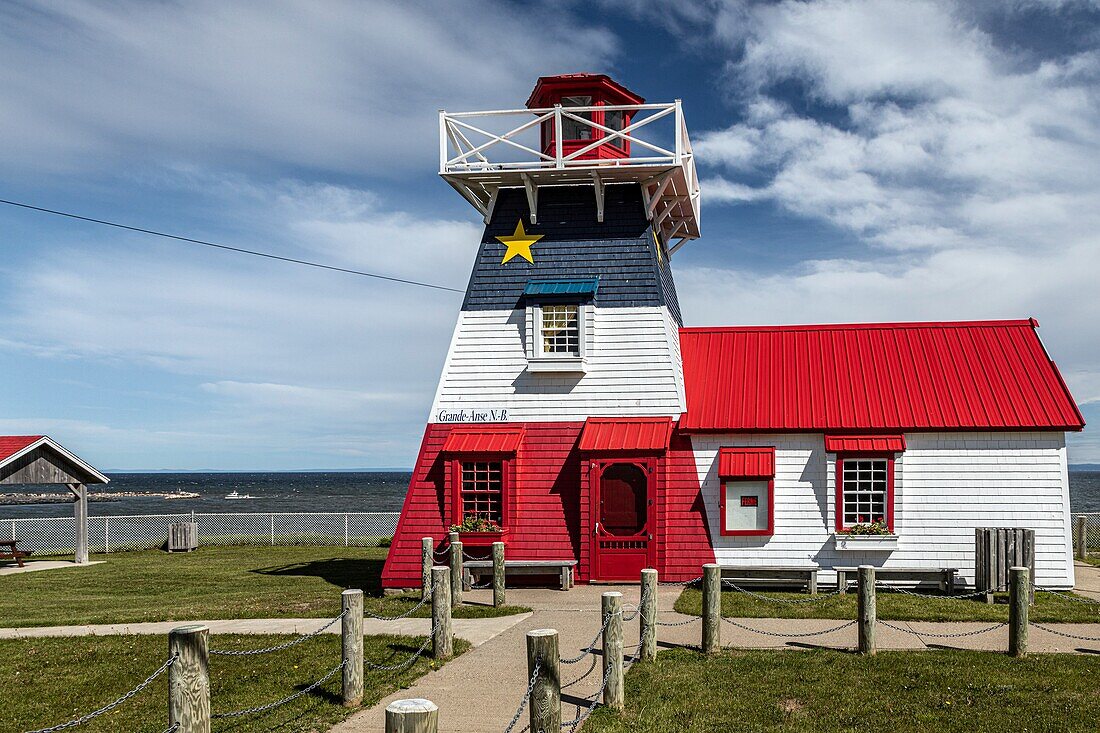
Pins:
x: 210, y: 583
x: 902, y: 692
x: 891, y: 606
x: 51, y: 681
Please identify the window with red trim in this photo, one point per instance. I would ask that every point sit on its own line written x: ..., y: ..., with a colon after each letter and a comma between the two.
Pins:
x: 480, y: 486
x: 746, y: 495
x: 864, y: 490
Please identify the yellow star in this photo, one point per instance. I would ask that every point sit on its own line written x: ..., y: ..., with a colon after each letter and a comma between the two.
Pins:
x: 519, y: 244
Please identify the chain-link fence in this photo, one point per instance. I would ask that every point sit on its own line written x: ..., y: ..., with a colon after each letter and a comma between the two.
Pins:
x: 1092, y: 530
x: 57, y: 535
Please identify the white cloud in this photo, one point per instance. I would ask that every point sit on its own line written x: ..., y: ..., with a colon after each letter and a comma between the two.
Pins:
x: 969, y: 175
x: 345, y: 86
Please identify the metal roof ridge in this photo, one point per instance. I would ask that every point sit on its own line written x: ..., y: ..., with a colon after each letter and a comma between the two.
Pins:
x: 885, y: 325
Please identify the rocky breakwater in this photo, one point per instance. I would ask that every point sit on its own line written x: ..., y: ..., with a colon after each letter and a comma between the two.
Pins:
x: 58, y: 497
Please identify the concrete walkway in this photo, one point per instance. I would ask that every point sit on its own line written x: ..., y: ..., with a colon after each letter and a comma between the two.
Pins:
x: 1087, y: 579
x: 477, y: 631
x: 33, y: 566
x: 479, y: 691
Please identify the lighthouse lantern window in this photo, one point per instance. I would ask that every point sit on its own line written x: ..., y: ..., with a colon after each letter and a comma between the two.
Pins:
x: 572, y: 129
x: 561, y: 333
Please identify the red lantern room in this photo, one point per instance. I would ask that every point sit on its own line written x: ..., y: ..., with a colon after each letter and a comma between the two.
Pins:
x: 596, y: 96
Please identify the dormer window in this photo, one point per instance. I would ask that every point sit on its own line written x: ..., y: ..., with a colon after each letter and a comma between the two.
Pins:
x: 557, y: 313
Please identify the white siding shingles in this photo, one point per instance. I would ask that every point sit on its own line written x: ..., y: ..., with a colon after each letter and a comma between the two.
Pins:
x: 946, y: 485
x: 633, y: 368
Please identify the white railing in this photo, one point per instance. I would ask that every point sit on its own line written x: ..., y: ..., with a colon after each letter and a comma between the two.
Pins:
x: 57, y: 535
x: 465, y: 147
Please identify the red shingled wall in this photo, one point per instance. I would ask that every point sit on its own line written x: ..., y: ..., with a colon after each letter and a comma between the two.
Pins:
x: 548, y: 506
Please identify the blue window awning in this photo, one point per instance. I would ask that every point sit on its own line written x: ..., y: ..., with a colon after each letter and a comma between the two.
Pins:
x: 562, y: 287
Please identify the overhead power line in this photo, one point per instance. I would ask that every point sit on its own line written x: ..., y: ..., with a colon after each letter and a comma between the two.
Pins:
x: 239, y: 250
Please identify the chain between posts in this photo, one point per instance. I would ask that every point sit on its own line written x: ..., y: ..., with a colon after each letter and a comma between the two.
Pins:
x: 1065, y: 597
x: 931, y: 635
x: 956, y: 597
x: 401, y: 665
x: 844, y: 625
x: 1065, y: 634
x: 284, y: 701
x: 526, y: 696
x: 277, y: 647
x: 573, y: 724
x: 111, y: 706
x: 787, y: 601
x: 406, y: 614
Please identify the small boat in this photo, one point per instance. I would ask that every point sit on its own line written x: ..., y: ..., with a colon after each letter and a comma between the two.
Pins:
x: 234, y: 495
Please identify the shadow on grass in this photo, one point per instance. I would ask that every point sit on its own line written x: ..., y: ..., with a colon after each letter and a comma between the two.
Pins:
x: 363, y: 573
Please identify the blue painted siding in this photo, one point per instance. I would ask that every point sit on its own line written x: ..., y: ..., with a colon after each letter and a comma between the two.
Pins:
x: 620, y: 251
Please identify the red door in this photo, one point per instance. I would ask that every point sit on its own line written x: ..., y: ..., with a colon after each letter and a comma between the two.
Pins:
x: 622, y: 502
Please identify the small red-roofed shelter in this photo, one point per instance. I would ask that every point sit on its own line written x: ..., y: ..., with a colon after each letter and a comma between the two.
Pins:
x: 35, y: 460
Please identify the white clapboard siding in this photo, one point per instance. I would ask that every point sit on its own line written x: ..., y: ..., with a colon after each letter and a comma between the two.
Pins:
x: 945, y: 486
x: 633, y: 368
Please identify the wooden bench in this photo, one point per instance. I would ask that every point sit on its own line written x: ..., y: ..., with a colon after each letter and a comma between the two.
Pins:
x: 564, y: 568
x: 944, y: 576
x: 774, y: 574
x: 13, y: 552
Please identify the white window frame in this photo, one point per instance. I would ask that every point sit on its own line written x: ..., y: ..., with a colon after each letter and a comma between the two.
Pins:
x: 537, y: 360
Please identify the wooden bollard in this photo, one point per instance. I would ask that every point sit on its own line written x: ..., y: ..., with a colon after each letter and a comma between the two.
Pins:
x: 415, y: 715
x: 1019, y: 590
x: 351, y: 635
x: 712, y: 607
x: 427, y: 560
x: 1082, y: 537
x: 189, y: 679
x: 611, y: 604
x: 498, y: 574
x: 647, y: 624
x: 868, y: 613
x: 442, y: 636
x: 456, y: 570
x: 545, y: 703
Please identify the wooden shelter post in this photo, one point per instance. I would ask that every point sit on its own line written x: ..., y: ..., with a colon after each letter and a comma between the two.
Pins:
x: 80, y: 512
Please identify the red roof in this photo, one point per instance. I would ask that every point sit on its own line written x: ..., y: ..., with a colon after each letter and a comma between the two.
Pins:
x: 487, y: 439
x: 746, y: 462
x: 626, y: 433
x: 864, y: 443
x: 12, y: 444
x: 992, y: 375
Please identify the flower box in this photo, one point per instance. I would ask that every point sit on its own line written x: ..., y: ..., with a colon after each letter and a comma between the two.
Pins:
x: 481, y: 539
x: 866, y: 542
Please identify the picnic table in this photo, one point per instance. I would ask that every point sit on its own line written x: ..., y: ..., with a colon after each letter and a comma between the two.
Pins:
x: 13, y: 552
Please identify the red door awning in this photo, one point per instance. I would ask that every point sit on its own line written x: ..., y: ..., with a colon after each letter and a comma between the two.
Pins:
x: 603, y: 434
x: 484, y: 440
x: 756, y: 462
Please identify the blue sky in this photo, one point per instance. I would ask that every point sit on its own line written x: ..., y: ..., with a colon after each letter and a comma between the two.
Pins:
x: 862, y: 161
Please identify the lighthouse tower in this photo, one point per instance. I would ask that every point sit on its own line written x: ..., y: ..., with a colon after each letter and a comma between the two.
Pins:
x: 553, y: 426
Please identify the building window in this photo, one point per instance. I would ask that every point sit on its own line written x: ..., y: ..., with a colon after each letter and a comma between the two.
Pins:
x: 865, y: 491
x: 561, y: 331
x: 481, y: 492
x: 746, y: 507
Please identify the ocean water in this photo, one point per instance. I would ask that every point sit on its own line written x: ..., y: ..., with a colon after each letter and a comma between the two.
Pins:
x: 315, y: 492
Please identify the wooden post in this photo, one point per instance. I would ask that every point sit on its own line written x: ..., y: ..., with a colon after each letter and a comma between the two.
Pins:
x: 1019, y: 590
x: 1082, y: 534
x: 351, y: 630
x: 415, y: 715
x: 712, y: 607
x: 611, y: 605
x: 442, y: 637
x: 545, y: 702
x: 647, y: 631
x: 80, y: 513
x: 456, y: 570
x: 189, y: 679
x: 426, y: 562
x: 498, y: 574
x: 867, y: 611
